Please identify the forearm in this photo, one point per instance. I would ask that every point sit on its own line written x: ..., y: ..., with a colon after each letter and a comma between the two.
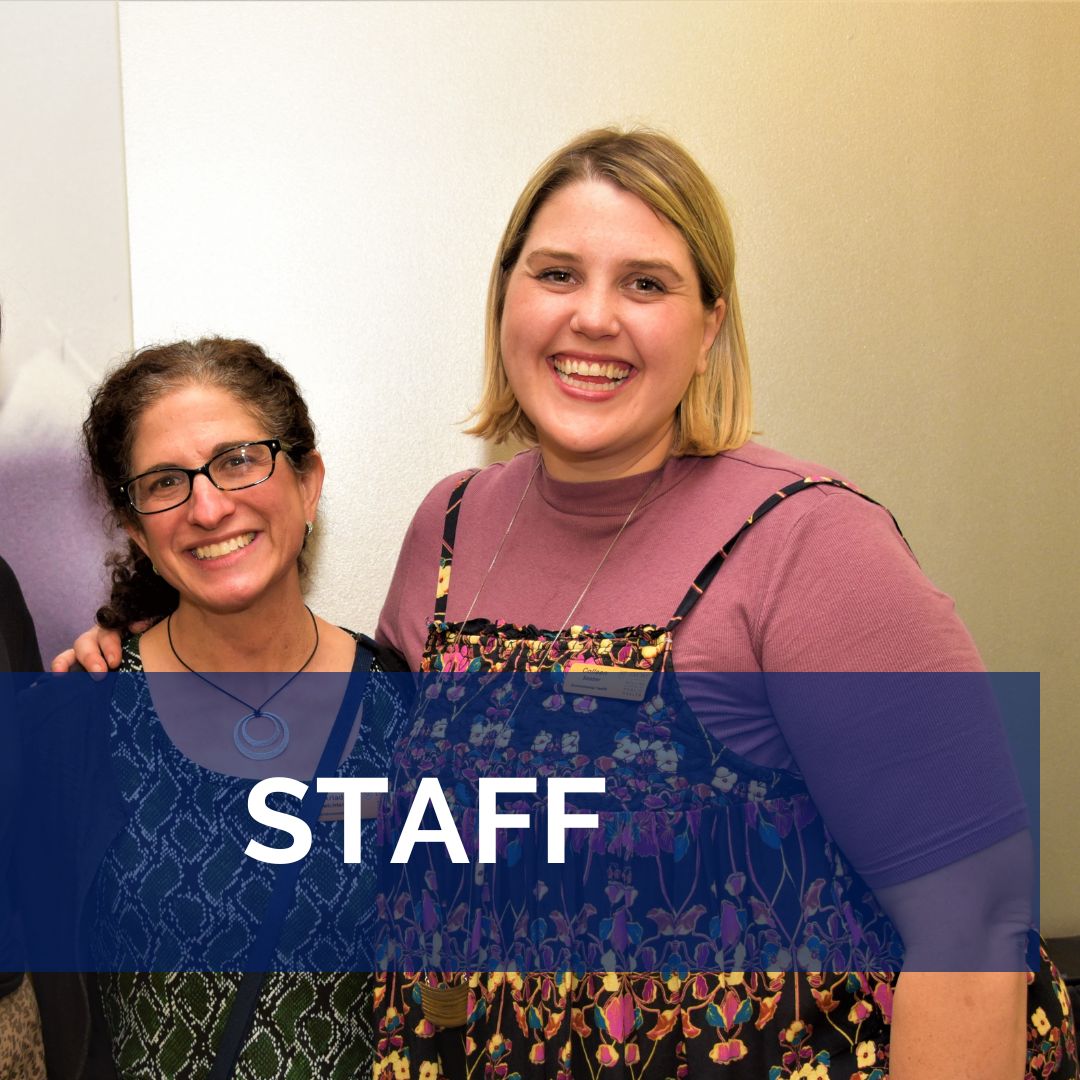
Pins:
x: 958, y: 1025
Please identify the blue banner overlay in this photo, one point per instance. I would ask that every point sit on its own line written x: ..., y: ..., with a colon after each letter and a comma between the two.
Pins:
x: 587, y: 820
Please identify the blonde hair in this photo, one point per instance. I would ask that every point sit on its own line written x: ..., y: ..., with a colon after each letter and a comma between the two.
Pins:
x: 714, y: 414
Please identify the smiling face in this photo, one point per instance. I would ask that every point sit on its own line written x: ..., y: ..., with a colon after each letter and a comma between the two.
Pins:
x: 223, y: 551
x: 603, y: 328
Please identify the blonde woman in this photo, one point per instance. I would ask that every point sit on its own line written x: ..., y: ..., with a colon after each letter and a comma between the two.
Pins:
x: 646, y: 531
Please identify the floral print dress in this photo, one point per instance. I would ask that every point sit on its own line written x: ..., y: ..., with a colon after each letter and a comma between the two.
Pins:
x: 769, y: 957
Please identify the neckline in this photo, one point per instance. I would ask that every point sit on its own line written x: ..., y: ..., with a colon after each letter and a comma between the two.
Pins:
x: 611, y: 498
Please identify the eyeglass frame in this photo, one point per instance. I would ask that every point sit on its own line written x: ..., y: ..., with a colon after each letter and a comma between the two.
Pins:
x: 275, y: 446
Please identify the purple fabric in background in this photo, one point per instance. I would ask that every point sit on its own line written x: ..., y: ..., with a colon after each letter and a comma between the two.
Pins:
x: 51, y: 523
x: 51, y: 533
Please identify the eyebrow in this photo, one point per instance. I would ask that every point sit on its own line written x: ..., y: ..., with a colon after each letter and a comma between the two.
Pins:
x: 551, y: 253
x: 653, y: 265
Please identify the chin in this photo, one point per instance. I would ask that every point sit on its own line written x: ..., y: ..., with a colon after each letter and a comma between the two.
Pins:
x: 224, y: 602
x: 585, y: 450
x: 578, y: 443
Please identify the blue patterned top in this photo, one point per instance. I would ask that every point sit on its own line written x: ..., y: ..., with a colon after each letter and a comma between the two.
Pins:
x: 180, y: 862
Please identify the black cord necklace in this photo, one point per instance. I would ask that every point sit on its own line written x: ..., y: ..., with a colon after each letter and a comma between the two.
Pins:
x: 252, y: 748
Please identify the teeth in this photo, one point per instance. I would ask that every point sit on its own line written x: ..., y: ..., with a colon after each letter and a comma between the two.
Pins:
x: 616, y: 372
x: 566, y: 368
x: 581, y: 384
x: 215, y: 551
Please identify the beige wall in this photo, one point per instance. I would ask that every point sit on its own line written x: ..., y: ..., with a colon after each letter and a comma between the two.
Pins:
x: 330, y: 180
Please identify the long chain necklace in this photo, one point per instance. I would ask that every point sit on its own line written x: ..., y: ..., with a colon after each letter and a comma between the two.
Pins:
x: 464, y: 704
x: 502, y: 540
x: 275, y: 743
x: 592, y: 577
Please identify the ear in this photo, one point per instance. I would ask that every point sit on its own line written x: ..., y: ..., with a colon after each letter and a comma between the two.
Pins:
x: 311, y: 481
x: 714, y: 319
x: 137, y: 537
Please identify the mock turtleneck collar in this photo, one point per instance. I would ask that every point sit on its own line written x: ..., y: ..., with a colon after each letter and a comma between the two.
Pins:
x: 610, y: 498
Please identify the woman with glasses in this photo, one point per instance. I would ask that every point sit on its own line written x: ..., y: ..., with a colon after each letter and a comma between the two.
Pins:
x: 207, y: 458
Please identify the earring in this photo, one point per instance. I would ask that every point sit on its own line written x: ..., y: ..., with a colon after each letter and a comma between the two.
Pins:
x: 155, y: 569
x: 309, y: 527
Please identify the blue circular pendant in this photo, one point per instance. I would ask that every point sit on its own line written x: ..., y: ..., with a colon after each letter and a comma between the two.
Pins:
x: 261, y: 749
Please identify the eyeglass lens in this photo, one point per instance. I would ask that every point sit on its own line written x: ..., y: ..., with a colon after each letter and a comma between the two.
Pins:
x: 240, y: 467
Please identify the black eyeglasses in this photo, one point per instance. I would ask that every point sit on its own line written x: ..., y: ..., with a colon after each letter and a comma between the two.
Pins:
x: 239, y: 467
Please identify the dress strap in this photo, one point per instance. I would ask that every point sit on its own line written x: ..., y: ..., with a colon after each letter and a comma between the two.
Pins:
x: 712, y: 567
x: 446, y: 557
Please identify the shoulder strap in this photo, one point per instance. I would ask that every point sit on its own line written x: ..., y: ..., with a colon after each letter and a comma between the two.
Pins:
x: 262, y: 949
x: 446, y: 558
x: 712, y: 567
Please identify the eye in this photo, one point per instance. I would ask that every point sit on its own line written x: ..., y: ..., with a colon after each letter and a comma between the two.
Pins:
x: 556, y: 276
x: 646, y: 285
x: 161, y: 483
x: 239, y: 458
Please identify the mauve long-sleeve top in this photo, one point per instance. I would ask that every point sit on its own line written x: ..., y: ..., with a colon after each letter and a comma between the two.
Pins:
x: 910, y: 781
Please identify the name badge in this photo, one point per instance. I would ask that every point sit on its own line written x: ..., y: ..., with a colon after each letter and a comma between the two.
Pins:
x: 624, y: 684
x: 333, y: 808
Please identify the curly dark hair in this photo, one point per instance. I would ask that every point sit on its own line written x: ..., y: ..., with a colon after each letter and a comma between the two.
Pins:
x: 239, y: 367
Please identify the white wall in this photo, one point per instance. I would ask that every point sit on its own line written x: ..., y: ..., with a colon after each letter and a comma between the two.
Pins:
x: 64, y: 289
x: 330, y: 180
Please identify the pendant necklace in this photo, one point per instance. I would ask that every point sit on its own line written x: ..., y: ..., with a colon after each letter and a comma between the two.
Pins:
x: 276, y: 742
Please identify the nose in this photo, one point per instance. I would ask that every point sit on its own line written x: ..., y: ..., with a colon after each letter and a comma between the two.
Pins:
x: 208, y: 505
x: 596, y: 312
